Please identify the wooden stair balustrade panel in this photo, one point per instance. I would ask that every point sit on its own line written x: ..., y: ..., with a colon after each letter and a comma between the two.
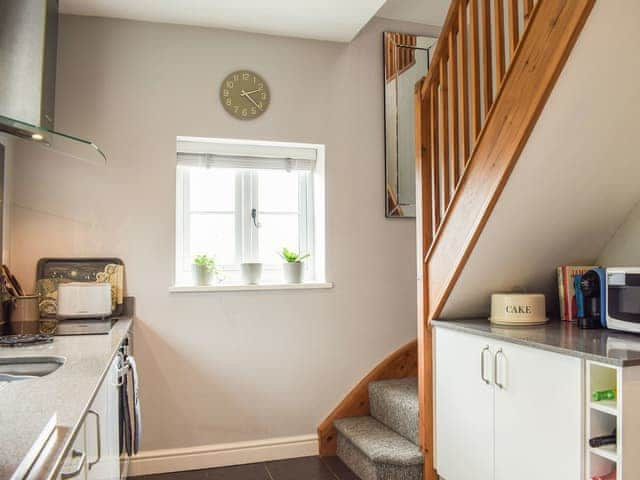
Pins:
x: 402, y: 363
x: 487, y: 83
x: 424, y: 218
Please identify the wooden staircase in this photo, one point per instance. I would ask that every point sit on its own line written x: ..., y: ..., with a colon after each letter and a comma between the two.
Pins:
x: 490, y: 76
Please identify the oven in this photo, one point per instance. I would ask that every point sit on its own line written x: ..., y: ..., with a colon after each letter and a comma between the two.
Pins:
x: 130, y: 421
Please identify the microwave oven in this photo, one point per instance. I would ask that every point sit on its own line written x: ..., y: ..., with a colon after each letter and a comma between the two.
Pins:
x: 611, y: 297
x: 622, y: 296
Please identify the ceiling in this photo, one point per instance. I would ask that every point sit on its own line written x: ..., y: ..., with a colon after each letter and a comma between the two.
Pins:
x: 427, y: 12
x: 334, y: 20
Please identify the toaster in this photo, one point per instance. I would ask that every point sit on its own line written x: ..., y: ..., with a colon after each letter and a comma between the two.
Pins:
x: 84, y: 300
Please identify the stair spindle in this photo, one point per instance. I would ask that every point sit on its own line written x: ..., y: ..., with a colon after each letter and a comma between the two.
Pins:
x: 514, y: 34
x: 498, y: 12
x: 475, y: 70
x: 444, y: 132
x: 435, y: 158
x: 528, y: 8
x: 464, y: 80
x: 487, y: 56
x: 453, y: 105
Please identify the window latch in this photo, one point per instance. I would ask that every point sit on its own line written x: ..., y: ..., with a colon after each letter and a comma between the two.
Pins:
x: 254, y: 217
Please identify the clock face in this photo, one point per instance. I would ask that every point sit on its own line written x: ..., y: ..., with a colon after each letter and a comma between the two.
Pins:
x: 244, y: 94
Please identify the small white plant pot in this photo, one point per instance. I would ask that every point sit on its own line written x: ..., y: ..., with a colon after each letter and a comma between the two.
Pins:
x: 250, y: 273
x: 293, y: 272
x: 201, y: 276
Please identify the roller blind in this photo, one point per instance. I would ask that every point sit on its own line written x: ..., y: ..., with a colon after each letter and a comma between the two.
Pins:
x: 199, y: 160
x: 195, y: 154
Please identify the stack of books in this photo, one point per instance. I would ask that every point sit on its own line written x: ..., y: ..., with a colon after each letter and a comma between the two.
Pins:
x: 567, y: 276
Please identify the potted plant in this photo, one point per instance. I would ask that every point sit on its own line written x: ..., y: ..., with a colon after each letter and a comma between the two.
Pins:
x: 251, y: 272
x: 293, y: 268
x: 204, y: 268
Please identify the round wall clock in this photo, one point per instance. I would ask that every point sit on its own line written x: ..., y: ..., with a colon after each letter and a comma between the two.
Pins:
x: 244, y: 94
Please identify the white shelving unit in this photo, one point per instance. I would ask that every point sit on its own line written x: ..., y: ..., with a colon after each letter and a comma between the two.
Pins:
x: 621, y: 414
x: 608, y: 452
x: 605, y: 406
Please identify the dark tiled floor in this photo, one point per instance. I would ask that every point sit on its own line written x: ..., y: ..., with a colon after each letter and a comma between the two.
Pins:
x: 306, y: 468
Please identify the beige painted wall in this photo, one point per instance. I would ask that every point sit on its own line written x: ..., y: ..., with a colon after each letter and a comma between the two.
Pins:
x: 224, y: 367
x: 623, y: 250
x: 577, y: 178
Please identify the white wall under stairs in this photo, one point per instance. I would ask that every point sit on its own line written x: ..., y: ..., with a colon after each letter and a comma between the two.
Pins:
x: 578, y: 178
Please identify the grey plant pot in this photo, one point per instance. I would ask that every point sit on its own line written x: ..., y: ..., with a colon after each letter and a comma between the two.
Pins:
x: 293, y: 272
x: 201, y: 276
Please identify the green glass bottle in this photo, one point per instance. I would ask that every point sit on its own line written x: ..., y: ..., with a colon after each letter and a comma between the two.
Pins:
x: 604, y: 395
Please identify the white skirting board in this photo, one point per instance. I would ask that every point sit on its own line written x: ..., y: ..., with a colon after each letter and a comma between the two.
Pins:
x: 222, y: 455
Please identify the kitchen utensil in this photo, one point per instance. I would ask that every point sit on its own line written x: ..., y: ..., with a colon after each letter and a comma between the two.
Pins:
x: 6, y: 284
x: 25, y: 315
x: 13, y: 281
x: 518, y: 309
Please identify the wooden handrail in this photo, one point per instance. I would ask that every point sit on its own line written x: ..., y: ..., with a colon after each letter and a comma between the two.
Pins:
x: 464, y: 79
x: 441, y: 47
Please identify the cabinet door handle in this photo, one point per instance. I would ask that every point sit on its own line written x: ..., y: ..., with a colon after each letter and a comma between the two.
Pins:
x: 98, y: 439
x: 482, y: 355
x: 495, y: 367
x: 76, y: 472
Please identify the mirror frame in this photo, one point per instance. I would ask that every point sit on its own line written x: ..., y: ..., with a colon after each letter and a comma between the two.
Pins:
x: 393, y: 44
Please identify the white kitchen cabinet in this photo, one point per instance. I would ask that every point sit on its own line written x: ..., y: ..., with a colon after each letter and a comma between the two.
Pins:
x: 74, y: 465
x: 504, y: 411
x: 538, y: 414
x: 464, y: 407
x: 95, y: 454
x: 102, y: 430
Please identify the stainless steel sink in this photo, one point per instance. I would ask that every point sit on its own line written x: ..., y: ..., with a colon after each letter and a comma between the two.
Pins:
x: 24, y: 368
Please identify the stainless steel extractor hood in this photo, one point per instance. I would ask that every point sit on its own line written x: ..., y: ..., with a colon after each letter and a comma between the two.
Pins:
x: 28, y: 54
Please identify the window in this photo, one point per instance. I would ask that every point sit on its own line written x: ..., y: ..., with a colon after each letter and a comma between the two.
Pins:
x: 243, y: 201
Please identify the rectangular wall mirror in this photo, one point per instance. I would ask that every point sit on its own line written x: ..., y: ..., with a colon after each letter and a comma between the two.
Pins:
x: 406, y: 60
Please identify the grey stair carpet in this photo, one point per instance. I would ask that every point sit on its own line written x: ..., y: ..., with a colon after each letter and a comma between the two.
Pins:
x: 375, y: 452
x: 395, y: 403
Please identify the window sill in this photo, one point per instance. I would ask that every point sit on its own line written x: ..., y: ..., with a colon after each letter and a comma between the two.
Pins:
x: 239, y: 287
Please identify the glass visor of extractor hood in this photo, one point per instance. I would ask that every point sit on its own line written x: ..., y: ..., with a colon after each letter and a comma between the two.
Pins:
x: 62, y: 143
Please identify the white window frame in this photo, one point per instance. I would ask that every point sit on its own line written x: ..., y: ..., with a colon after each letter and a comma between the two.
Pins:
x: 311, y: 209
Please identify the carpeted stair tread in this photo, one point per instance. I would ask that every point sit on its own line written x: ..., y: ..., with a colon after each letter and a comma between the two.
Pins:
x: 395, y: 404
x: 367, y: 469
x: 378, y: 442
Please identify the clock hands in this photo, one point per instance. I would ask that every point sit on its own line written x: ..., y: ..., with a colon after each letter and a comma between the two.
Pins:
x: 248, y: 95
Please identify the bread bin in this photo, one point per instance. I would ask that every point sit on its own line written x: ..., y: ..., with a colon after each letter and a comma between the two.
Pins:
x: 84, y: 300
x: 518, y: 309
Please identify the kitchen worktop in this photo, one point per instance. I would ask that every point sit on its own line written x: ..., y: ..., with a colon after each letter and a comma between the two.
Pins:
x: 601, y: 345
x: 27, y: 406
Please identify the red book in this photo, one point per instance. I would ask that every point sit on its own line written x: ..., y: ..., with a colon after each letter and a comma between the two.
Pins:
x: 566, y: 290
